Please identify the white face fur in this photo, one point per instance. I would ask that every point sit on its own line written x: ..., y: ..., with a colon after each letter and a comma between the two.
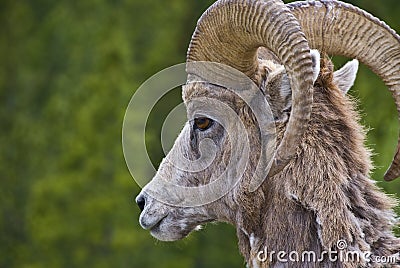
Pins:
x: 172, y: 222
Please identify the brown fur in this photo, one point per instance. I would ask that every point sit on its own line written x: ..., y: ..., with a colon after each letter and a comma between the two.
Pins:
x: 326, y: 189
x: 322, y: 196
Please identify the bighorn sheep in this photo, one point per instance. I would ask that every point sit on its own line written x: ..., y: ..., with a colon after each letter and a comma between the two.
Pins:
x: 318, y: 191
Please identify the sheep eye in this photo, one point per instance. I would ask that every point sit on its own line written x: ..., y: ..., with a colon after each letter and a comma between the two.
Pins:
x: 202, y: 123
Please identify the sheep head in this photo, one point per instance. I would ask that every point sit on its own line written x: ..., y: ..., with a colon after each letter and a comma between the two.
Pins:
x: 219, y: 121
x: 208, y: 142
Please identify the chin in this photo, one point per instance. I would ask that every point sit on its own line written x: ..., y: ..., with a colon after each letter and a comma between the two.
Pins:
x: 166, y: 237
x: 168, y: 233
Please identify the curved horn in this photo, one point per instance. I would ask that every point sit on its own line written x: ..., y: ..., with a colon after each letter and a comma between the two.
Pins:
x: 230, y: 32
x: 338, y: 28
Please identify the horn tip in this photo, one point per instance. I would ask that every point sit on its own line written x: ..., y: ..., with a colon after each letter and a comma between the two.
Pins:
x: 391, y: 174
x: 388, y: 178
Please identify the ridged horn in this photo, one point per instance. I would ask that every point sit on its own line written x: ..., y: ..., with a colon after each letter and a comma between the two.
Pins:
x: 230, y: 32
x: 339, y: 28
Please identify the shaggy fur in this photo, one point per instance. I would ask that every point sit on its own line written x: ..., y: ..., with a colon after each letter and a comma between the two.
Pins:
x: 322, y: 196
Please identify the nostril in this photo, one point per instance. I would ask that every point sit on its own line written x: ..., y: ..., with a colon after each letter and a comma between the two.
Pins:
x: 141, y: 202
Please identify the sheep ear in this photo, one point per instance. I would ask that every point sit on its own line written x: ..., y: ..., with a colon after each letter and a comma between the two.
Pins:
x: 344, y: 77
x: 316, y: 61
x: 279, y: 94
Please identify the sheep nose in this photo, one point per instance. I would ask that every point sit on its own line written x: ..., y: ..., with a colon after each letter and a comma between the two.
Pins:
x: 141, y: 202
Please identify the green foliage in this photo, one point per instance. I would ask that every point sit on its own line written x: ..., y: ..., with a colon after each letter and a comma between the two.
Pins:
x: 67, y: 72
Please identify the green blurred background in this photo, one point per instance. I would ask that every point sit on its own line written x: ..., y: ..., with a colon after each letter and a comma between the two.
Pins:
x: 68, y: 71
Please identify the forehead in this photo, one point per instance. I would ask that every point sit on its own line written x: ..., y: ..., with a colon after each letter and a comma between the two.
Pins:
x: 196, y: 90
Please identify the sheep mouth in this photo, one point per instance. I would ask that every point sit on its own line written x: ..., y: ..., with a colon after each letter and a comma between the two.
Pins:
x: 165, y: 231
x: 156, y: 226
